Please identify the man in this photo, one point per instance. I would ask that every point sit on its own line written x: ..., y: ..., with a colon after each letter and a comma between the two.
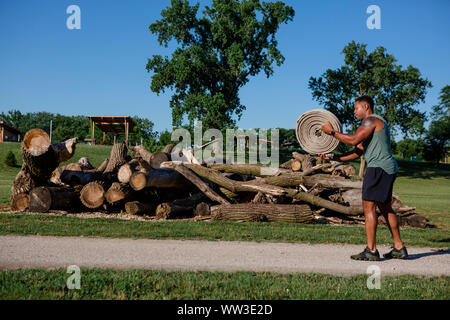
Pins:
x: 372, y: 139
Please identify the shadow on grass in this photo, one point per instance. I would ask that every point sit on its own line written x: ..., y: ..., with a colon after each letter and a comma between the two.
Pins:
x: 427, y: 254
x: 423, y: 170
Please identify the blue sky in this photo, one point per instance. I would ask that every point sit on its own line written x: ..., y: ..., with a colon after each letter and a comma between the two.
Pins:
x: 100, y: 69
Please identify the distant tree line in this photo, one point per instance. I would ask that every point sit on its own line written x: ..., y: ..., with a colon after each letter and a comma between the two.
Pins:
x: 64, y: 127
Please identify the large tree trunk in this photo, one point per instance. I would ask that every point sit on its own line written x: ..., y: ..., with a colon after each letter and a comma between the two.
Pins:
x: 265, y: 212
x: 43, y: 199
x: 161, y: 178
x: 118, y: 157
x: 40, y: 158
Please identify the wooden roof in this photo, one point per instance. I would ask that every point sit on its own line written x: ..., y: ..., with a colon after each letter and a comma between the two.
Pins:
x: 114, y: 124
x: 9, y: 128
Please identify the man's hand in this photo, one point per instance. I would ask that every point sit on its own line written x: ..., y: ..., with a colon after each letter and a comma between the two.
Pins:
x: 327, y: 128
x: 324, y: 156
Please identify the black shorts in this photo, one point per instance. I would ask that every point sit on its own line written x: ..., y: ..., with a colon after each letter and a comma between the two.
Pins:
x: 377, y: 185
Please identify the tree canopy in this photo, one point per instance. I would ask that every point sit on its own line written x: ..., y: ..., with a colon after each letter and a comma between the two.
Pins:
x: 395, y: 90
x: 217, y: 52
x: 438, y: 135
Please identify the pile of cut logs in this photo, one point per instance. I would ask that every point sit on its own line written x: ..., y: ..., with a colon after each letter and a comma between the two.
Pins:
x: 304, y: 189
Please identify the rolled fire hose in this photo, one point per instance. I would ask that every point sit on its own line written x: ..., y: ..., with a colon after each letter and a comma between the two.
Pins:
x: 309, y: 134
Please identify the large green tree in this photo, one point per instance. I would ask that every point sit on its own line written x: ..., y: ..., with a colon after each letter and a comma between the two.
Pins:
x: 217, y: 52
x: 395, y: 90
x: 438, y: 136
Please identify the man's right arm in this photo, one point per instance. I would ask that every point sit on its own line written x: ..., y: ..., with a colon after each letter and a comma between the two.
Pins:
x: 351, y: 155
x: 348, y: 156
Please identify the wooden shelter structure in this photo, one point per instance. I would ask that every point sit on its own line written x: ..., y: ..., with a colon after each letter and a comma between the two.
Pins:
x: 113, y: 124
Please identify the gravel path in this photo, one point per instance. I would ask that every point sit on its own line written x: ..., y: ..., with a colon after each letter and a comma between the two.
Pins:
x: 60, y: 252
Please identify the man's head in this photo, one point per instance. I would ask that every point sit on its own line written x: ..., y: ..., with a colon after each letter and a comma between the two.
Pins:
x: 363, y: 107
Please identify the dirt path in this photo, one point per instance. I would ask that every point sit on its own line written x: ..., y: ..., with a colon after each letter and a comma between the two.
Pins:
x: 60, y: 252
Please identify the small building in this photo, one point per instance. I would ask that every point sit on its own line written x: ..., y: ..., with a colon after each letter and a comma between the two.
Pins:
x: 8, y: 133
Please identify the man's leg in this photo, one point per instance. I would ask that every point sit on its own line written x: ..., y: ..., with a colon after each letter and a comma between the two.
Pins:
x: 392, y: 222
x: 370, y: 215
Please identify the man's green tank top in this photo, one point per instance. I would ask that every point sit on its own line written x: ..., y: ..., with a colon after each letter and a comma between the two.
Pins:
x: 377, y: 149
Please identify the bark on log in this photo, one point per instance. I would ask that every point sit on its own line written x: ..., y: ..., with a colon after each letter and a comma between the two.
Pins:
x: 93, y: 194
x: 161, y: 178
x: 201, y: 185
x: 43, y: 199
x: 158, y: 158
x: 38, y: 156
x: 65, y: 150
x: 79, y: 178
x: 344, y: 170
x: 248, y: 169
x: 103, y: 165
x: 297, y: 178
x: 234, y: 186
x: 144, y: 153
x: 23, y: 183
x: 136, y: 207
x: 287, y: 164
x: 117, y: 192
x: 179, y: 207
x: 202, y: 209
x: 117, y: 158
x: 265, y: 212
x: 320, y: 202
x: 168, y: 148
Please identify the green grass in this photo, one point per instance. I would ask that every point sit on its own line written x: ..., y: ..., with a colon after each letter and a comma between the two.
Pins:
x: 23, y: 224
x: 158, y: 285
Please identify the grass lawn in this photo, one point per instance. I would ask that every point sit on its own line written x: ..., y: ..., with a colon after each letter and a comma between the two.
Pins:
x: 149, y: 284
x: 23, y: 224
